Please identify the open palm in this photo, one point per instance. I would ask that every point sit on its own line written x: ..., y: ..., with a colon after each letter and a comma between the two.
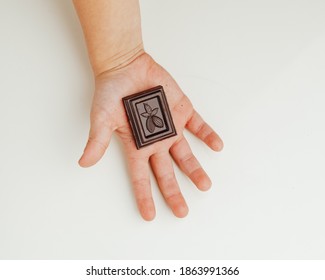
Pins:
x: 108, y: 115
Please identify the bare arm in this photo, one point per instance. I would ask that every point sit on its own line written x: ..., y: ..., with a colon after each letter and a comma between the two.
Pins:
x: 112, y: 31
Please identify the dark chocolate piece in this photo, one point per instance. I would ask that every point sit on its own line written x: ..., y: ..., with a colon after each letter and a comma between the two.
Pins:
x: 149, y: 116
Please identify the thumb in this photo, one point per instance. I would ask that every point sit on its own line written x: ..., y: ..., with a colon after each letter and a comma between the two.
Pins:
x: 99, y: 137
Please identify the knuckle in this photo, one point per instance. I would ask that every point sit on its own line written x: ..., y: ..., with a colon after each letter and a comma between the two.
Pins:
x: 190, y: 164
x: 176, y: 195
x: 102, y: 146
x: 140, y: 188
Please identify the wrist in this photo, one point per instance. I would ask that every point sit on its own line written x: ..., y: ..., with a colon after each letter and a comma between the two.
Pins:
x: 117, y: 59
x: 112, y: 32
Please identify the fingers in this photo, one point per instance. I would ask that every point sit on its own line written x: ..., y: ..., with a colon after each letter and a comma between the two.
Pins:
x: 99, y: 137
x: 139, y: 171
x: 187, y: 162
x: 163, y: 169
x: 204, y: 132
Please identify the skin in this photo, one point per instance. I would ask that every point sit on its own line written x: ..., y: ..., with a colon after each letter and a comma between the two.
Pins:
x: 136, y: 71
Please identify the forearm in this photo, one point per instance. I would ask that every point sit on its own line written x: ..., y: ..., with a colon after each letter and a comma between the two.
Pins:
x: 112, y: 30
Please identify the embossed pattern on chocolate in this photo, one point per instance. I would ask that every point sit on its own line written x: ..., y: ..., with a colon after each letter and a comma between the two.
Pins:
x: 149, y: 116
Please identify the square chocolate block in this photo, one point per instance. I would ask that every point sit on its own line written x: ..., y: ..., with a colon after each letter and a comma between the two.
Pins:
x: 149, y: 116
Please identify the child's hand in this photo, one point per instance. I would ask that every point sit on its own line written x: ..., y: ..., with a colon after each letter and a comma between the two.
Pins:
x: 108, y: 115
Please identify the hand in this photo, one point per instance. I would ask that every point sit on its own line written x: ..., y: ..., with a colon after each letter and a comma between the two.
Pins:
x: 108, y: 115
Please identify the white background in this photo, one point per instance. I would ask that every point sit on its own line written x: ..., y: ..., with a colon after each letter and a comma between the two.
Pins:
x: 253, y: 69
